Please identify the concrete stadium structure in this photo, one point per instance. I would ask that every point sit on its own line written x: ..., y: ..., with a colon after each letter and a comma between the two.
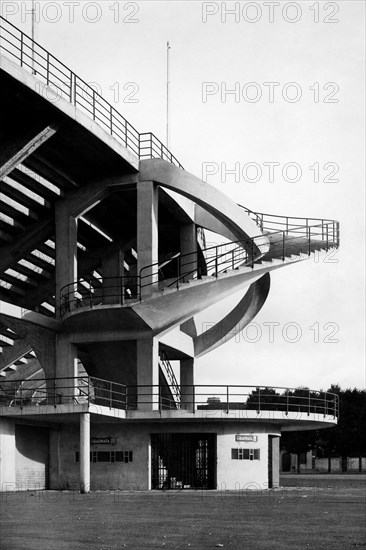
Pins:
x: 103, y: 270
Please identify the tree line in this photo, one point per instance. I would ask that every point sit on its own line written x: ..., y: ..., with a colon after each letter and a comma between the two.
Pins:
x: 347, y: 438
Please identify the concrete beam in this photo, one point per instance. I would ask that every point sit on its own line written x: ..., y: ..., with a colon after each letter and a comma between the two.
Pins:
x: 27, y: 242
x: 179, y: 341
x: 79, y: 201
x: 10, y: 314
x: 18, y: 149
x: 14, y: 353
x: 40, y: 338
x: 22, y: 198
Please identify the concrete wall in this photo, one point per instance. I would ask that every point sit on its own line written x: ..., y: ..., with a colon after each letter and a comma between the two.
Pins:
x: 64, y: 470
x: 23, y: 456
x: 241, y: 474
x: 7, y: 455
x: 328, y: 465
x: 335, y: 465
x: 321, y: 465
x: 231, y: 474
x: 309, y: 461
x: 31, y: 457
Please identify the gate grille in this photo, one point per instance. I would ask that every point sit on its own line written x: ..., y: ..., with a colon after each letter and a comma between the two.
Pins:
x: 183, y: 461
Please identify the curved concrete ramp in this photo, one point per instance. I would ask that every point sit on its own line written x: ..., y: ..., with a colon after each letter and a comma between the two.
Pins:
x: 235, y: 321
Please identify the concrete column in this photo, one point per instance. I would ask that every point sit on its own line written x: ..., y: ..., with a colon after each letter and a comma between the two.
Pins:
x: 113, y: 270
x: 188, y: 245
x: 66, y: 252
x: 147, y: 375
x: 275, y: 461
x: 66, y: 369
x: 84, y: 453
x: 187, y: 383
x: 147, y: 234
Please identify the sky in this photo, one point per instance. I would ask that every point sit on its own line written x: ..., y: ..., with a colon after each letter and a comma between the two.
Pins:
x: 270, y: 82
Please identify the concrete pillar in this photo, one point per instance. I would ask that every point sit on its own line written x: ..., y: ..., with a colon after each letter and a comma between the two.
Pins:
x: 275, y: 461
x: 84, y: 453
x: 66, y: 369
x: 7, y: 455
x: 113, y: 271
x: 188, y: 245
x: 147, y: 375
x: 66, y: 229
x: 147, y: 235
x: 187, y: 383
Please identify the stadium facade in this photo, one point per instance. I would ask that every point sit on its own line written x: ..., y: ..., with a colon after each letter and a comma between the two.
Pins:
x: 104, y: 268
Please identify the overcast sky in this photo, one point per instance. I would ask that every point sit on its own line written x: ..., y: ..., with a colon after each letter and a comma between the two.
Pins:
x: 311, y: 115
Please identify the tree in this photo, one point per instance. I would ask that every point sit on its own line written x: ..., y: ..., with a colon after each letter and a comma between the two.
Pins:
x: 348, y: 438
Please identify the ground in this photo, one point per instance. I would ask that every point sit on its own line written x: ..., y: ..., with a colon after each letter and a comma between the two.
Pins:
x: 318, y: 512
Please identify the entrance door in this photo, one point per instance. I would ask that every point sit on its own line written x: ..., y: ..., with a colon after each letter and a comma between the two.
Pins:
x: 183, y: 461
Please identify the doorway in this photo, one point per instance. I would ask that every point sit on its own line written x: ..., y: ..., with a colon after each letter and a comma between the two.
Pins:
x: 183, y: 461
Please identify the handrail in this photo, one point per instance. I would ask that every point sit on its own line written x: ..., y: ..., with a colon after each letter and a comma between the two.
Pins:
x: 234, y: 254
x: 263, y: 220
x: 76, y: 390
x: 98, y: 291
x: 194, y: 398
x: 180, y: 268
x: 41, y: 63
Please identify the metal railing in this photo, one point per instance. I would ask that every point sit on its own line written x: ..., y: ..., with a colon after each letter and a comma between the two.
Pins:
x: 211, y: 261
x: 98, y: 291
x: 151, y: 148
x: 65, y: 84
x: 271, y: 223
x: 195, y: 398
x: 293, y: 240
x: 61, y: 391
x: 216, y: 398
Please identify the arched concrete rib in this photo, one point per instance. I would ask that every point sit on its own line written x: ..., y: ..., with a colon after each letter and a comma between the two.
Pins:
x: 10, y: 313
x: 208, y: 197
x: 238, y: 318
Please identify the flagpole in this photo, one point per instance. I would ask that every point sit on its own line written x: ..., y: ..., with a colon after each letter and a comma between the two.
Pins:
x: 167, y: 93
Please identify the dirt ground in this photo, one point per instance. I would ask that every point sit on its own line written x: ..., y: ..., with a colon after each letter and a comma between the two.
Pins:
x: 317, y: 512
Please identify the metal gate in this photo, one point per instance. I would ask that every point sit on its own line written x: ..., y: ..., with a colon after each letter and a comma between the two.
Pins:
x: 183, y: 461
